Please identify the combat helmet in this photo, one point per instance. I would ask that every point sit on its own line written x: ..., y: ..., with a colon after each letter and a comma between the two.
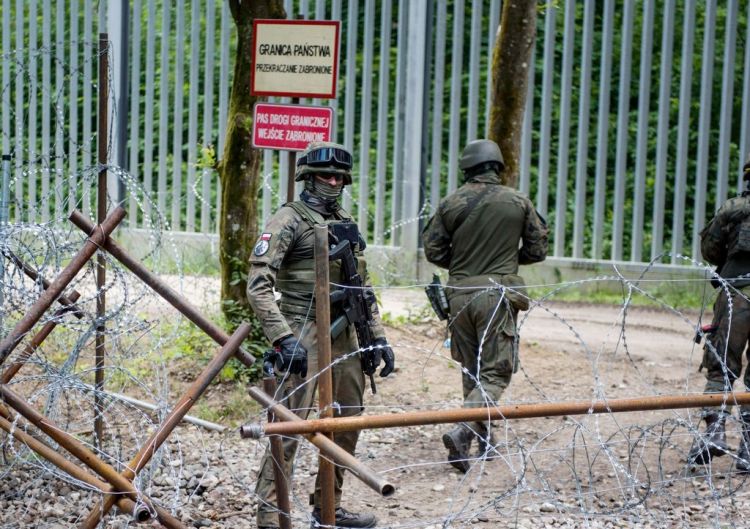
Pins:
x: 479, y: 152
x: 325, y: 157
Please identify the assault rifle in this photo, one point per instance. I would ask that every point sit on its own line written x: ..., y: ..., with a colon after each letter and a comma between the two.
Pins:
x: 355, y: 300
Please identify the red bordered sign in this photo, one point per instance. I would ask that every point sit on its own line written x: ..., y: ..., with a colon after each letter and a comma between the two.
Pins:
x: 290, y: 127
x: 295, y: 58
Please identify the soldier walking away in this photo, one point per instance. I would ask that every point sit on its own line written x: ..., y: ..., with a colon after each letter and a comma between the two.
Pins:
x: 481, y: 233
x: 283, y: 259
x: 725, y: 243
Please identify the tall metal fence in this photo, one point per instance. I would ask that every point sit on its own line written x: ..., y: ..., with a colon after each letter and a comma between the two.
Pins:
x: 634, y: 131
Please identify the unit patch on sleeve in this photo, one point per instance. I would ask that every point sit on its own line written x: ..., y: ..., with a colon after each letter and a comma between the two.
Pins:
x: 261, y: 247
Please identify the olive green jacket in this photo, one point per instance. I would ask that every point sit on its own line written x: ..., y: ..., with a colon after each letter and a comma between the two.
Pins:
x: 725, y: 241
x: 483, y: 231
x: 283, y: 259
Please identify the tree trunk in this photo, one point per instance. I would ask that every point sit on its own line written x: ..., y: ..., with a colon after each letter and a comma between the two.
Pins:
x: 239, y: 167
x: 510, y: 79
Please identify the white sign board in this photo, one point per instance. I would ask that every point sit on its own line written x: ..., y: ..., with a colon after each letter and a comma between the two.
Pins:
x: 295, y: 58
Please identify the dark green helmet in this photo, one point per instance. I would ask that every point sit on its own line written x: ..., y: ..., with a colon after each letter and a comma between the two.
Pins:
x: 478, y: 152
x: 324, y: 157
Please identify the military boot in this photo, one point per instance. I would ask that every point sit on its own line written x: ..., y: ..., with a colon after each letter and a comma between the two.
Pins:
x: 458, y: 442
x: 487, y: 443
x: 743, y: 454
x: 712, y: 443
x: 345, y: 518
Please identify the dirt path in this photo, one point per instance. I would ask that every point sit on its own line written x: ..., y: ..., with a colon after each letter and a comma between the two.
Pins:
x: 594, y: 471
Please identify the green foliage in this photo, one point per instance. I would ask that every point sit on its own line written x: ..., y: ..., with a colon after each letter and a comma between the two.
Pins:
x: 234, y: 408
x: 678, y: 295
x: 413, y: 316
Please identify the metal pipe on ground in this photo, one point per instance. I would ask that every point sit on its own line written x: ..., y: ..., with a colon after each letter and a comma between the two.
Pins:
x: 325, y: 375
x: 150, y: 406
x: 516, y: 411
x: 36, y: 311
x: 139, y: 511
x: 189, y: 398
x: 71, y: 444
x: 327, y: 447
x: 157, y: 285
x: 76, y: 448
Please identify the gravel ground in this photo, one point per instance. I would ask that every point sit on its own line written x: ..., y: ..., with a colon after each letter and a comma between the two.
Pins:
x: 603, y: 471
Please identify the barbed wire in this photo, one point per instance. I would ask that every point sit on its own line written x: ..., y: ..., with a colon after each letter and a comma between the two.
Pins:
x: 595, y: 471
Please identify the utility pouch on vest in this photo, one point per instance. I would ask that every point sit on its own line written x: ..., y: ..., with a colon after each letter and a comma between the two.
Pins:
x: 743, y: 236
x: 436, y: 294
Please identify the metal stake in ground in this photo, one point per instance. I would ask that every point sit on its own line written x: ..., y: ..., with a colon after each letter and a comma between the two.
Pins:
x: 277, y: 451
x: 3, y: 222
x: 325, y: 381
x: 101, y: 263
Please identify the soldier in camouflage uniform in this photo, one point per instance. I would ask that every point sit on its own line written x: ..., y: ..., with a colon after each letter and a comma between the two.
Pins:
x: 725, y: 242
x: 476, y: 234
x: 283, y: 259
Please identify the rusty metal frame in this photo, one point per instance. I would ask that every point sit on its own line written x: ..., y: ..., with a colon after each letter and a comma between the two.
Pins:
x: 68, y: 306
x: 281, y: 483
x: 166, y: 428
x: 128, y: 497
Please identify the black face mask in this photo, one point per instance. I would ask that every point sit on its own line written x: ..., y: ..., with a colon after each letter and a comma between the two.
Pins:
x: 321, y: 205
x: 326, y: 191
x: 321, y: 196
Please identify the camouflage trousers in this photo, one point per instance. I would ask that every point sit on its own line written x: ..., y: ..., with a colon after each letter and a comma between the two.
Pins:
x: 483, y: 340
x: 298, y: 394
x: 722, y: 353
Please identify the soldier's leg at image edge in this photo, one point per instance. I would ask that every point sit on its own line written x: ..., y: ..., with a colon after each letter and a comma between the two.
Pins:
x: 743, y: 451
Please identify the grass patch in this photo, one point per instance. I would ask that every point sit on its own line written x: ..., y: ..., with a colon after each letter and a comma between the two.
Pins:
x: 678, y: 295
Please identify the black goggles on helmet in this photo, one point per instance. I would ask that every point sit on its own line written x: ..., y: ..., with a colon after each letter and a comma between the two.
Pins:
x: 326, y: 156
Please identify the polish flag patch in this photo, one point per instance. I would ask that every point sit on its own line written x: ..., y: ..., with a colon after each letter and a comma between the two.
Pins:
x: 263, y: 244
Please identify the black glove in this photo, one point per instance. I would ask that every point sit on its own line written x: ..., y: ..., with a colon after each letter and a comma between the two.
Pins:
x: 382, y: 351
x: 290, y: 356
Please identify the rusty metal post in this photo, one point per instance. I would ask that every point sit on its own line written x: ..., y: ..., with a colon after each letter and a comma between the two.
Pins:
x: 516, y: 411
x: 139, y: 512
x: 281, y: 484
x: 165, y: 429
x: 97, y: 236
x: 327, y: 447
x: 325, y: 378
x: 101, y: 262
x: 157, y: 285
x: 37, y: 340
x: 71, y: 444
